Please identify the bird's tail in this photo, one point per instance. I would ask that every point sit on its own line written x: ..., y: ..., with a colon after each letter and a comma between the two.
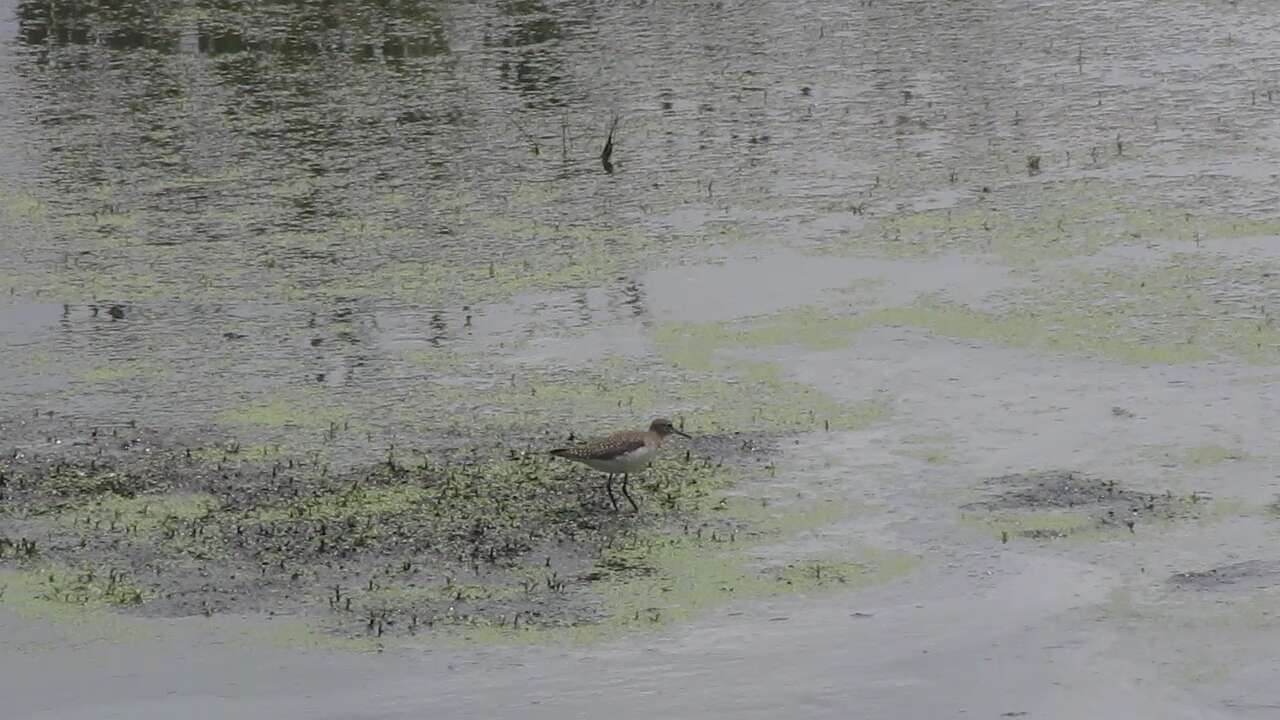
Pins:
x: 559, y: 452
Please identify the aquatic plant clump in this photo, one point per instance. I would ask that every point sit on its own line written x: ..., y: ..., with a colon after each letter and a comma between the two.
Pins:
x: 454, y: 545
x: 426, y: 541
x: 1055, y: 504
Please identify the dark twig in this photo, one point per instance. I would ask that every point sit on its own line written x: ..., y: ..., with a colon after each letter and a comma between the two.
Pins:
x: 537, y: 149
x: 607, y: 153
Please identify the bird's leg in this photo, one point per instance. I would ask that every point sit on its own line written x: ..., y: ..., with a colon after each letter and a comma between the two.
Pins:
x: 608, y: 487
x: 628, y: 495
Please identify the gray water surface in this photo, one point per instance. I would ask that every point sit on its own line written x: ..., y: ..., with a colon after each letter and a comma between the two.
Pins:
x: 259, y: 221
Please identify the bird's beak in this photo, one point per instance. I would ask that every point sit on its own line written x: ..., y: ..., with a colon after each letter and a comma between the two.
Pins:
x: 683, y: 434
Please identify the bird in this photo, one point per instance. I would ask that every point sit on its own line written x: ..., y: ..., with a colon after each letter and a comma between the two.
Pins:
x: 622, y: 453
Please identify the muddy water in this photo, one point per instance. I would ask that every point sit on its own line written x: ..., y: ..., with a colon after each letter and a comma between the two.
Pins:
x: 1041, y: 234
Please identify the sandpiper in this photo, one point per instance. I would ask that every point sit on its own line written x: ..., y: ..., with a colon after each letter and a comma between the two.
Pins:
x: 621, y: 453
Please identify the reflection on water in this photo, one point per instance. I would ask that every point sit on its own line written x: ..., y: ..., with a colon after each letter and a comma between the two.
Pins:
x: 531, y: 65
x: 119, y: 26
x: 234, y: 200
x: 297, y: 30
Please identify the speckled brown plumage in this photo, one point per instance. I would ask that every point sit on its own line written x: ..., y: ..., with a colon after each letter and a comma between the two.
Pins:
x: 605, y: 448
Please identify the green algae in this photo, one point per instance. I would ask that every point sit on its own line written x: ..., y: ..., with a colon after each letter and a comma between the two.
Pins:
x: 765, y: 402
x: 1065, y: 332
x: 1216, y: 612
x: 1090, y: 526
x: 673, y: 577
x: 689, y: 585
x: 140, y: 513
x: 404, y: 528
x: 820, y: 572
x: 22, y: 204
x: 82, y: 610
x: 764, y: 520
x: 1033, y: 225
x: 31, y: 594
x: 440, y: 360
x: 284, y: 412
x: 1042, y: 524
x: 931, y: 449
x: 45, y: 587
x: 116, y: 221
x: 929, y: 455
x: 63, y: 484
x: 1198, y: 456
x: 118, y: 371
x: 357, y: 503
x: 302, y: 634
x: 742, y: 396
x: 863, y: 291
x: 119, y: 285
x: 589, y: 256
x: 1188, y: 309
x: 649, y: 580
x: 685, y: 578
x: 655, y: 579
x: 727, y: 392
x: 1210, y: 306
x: 233, y: 451
x: 1202, y: 668
x: 695, y: 345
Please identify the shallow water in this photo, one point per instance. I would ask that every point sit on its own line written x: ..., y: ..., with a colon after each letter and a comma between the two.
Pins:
x: 262, y: 222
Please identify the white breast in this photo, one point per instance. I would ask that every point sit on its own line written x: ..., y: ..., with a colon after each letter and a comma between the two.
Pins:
x: 631, y: 462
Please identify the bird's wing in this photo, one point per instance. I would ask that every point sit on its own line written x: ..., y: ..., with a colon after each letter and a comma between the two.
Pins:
x: 604, y: 448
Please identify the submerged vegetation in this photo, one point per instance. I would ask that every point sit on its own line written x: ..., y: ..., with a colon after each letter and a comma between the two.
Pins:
x: 1189, y: 308
x: 511, y: 545
x: 1057, y: 504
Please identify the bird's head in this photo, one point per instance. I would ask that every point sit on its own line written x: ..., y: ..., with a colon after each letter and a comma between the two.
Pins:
x: 663, y: 427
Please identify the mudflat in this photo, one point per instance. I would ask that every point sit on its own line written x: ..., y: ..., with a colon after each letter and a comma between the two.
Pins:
x: 968, y: 310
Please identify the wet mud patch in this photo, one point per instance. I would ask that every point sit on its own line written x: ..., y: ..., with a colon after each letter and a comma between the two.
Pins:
x: 1241, y: 576
x: 469, y: 544
x: 176, y: 532
x: 1060, y: 503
